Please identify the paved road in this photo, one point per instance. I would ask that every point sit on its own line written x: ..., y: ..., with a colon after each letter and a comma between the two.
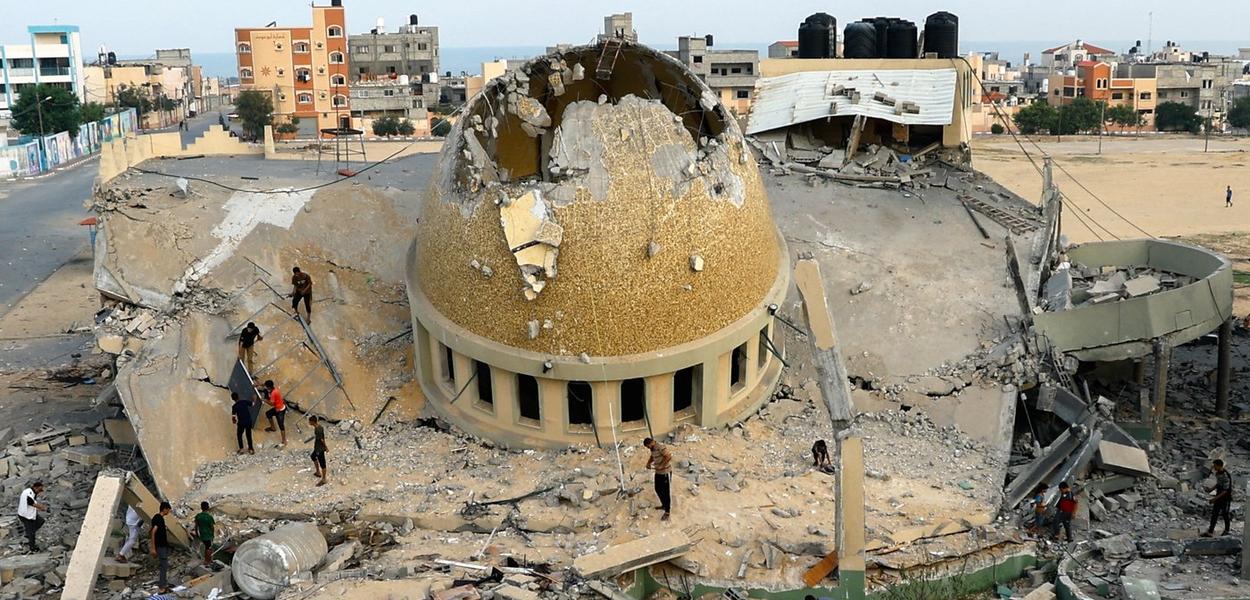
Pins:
x: 39, y: 228
x: 39, y: 217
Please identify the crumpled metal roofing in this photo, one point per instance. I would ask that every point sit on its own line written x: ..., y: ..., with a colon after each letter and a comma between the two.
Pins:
x: 808, y: 96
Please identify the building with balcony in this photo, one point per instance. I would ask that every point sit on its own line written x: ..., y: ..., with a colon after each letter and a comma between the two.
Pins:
x: 410, y: 51
x: 730, y: 73
x: 1096, y: 80
x: 52, y: 55
x: 304, y: 70
x: 399, y: 97
x: 1206, y: 85
x: 1062, y: 59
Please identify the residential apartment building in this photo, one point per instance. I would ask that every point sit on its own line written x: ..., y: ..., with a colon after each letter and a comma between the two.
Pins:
x: 1097, y: 81
x: 730, y: 73
x: 1207, y: 85
x: 784, y: 49
x: 1062, y: 59
x: 398, y: 97
x: 52, y: 55
x: 411, y: 51
x: 304, y: 69
x: 165, y: 86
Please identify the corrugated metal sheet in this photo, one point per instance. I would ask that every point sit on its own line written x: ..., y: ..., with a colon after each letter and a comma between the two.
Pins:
x: 802, y: 97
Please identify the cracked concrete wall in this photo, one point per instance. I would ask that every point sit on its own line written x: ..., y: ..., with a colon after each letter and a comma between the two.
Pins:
x: 643, y: 189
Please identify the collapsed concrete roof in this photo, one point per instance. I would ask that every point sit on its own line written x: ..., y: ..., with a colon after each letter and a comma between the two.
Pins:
x: 907, y: 96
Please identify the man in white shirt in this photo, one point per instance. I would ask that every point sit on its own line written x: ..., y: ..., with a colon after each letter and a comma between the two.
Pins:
x: 133, y: 522
x: 28, y: 507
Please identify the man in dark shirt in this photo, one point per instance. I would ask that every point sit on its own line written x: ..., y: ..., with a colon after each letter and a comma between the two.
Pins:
x: 1065, y: 509
x: 319, y: 450
x: 241, y: 416
x: 247, y: 339
x: 1222, y: 501
x: 160, y: 544
x: 301, y: 289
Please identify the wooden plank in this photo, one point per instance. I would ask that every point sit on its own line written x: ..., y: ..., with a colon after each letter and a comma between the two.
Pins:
x: 84, y: 564
x: 852, y: 142
x: 821, y: 570
x: 642, y: 552
x: 834, y: 382
x: 137, y: 496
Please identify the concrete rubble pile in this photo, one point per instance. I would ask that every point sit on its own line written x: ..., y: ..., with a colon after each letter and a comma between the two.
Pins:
x: 66, y: 460
x: 874, y: 166
x: 1079, y: 285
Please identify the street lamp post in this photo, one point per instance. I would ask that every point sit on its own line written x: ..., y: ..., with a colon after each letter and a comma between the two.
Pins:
x: 43, y: 148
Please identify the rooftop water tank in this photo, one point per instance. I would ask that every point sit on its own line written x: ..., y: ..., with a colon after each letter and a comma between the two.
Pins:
x: 816, y: 36
x: 902, y: 40
x: 859, y: 40
x: 941, y: 34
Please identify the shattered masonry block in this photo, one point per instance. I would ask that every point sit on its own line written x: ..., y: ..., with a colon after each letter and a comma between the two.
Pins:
x: 696, y: 263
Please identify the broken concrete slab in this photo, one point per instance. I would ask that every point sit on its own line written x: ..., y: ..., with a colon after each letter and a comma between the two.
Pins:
x: 1046, y: 591
x: 826, y: 354
x: 93, y: 538
x: 1139, y: 589
x: 88, y: 455
x: 1119, y: 458
x: 638, y: 553
x: 1140, y: 286
x: 1157, y: 548
x: 1213, y: 546
x: 1116, y: 547
x: 512, y: 592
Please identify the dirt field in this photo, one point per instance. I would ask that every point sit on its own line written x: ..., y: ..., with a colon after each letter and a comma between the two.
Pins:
x: 1166, y: 185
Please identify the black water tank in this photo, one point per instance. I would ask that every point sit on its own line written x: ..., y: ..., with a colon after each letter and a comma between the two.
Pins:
x: 412, y: 19
x: 859, y: 40
x: 941, y: 35
x: 902, y: 41
x: 881, y: 35
x: 816, y: 36
x: 707, y: 39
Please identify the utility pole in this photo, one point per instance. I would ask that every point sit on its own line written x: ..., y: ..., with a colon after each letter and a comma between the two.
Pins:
x: 43, y: 148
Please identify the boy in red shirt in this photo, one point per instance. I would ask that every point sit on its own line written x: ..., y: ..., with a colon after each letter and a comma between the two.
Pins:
x: 1065, y: 509
x: 274, y: 398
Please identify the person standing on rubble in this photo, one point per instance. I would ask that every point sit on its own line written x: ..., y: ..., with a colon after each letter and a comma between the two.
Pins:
x: 1065, y: 509
x: 1222, y: 501
x: 205, y: 527
x: 661, y: 461
x: 160, y: 544
x: 247, y: 340
x: 1038, y: 521
x: 241, y: 416
x: 273, y: 398
x: 28, y: 508
x: 319, y: 450
x: 301, y: 289
x: 133, y: 521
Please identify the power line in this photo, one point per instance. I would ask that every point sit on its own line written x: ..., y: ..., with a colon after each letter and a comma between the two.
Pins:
x: 1107, y: 206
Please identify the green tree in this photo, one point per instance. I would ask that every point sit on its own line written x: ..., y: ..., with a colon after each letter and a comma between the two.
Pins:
x: 168, y: 104
x: 1239, y: 114
x: 92, y: 112
x: 1036, y: 118
x: 1124, y: 116
x: 255, y: 110
x: 46, y: 109
x: 997, y: 129
x: 134, y: 97
x: 1081, y: 114
x: 1174, y: 116
x: 386, y: 126
x: 288, y: 127
x: 440, y: 127
x: 406, y: 127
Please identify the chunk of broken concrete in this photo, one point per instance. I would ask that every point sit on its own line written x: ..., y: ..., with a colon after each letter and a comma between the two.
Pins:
x: 696, y: 263
x: 533, y: 328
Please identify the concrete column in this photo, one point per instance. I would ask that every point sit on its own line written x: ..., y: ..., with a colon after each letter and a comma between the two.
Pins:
x: 849, y: 522
x: 1163, y: 358
x: 606, y: 406
x: 1223, y: 366
x: 422, y: 360
x: 93, y: 538
x: 464, y: 370
x: 503, y: 391
x: 554, y: 406
x: 752, y: 372
x: 660, y: 403
x: 713, y: 390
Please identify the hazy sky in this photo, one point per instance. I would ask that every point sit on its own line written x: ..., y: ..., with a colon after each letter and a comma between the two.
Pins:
x: 138, y: 26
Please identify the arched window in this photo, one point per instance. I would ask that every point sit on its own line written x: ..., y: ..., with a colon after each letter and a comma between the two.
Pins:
x: 304, y: 98
x: 301, y: 47
x: 245, y: 73
x: 336, y: 58
x: 245, y: 48
x: 340, y: 100
x: 338, y: 80
x: 303, y: 74
x: 334, y: 31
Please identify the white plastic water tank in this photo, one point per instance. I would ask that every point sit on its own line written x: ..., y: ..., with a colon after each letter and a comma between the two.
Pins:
x: 403, y: 79
x: 263, y: 566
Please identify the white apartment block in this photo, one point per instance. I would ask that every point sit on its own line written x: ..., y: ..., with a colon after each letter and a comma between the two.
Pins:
x: 53, y: 55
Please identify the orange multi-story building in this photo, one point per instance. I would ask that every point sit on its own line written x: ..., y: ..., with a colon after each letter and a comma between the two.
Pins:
x: 1095, y: 80
x: 304, y: 69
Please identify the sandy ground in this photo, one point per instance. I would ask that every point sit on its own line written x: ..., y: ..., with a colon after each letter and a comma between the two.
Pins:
x: 1167, y: 186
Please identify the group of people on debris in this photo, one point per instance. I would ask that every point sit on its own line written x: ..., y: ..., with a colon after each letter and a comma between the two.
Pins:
x: 241, y: 409
x: 1044, y: 520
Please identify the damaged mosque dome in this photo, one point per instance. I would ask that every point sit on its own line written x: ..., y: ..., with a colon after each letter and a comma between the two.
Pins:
x: 595, y: 256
